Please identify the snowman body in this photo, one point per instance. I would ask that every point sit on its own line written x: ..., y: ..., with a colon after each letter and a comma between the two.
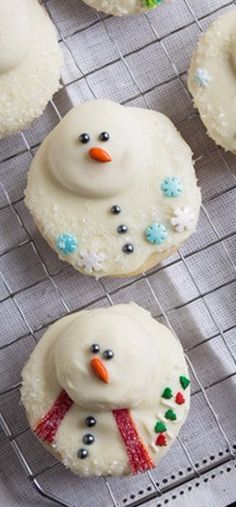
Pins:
x: 115, y: 216
x: 15, y: 33
x: 30, y: 61
x: 213, y: 68
x: 135, y: 414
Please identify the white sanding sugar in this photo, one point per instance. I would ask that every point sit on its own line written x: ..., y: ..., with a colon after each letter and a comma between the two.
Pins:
x: 26, y: 89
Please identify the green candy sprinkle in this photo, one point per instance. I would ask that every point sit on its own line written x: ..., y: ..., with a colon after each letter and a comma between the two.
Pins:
x: 171, y: 415
x: 151, y: 3
x: 160, y: 427
x: 184, y: 381
x: 167, y: 393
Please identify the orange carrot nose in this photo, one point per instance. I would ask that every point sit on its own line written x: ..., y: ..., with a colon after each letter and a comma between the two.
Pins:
x: 99, y: 369
x: 100, y: 155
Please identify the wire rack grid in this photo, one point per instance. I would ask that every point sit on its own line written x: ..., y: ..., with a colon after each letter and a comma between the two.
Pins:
x: 141, y: 62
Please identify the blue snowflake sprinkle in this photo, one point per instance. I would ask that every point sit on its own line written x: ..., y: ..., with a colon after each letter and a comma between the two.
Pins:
x: 172, y: 186
x: 156, y: 234
x: 202, y: 77
x: 66, y: 243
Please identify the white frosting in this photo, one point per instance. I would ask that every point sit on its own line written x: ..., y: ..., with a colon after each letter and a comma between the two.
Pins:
x: 30, y: 60
x: 69, y: 160
x: 119, y: 7
x: 68, y: 192
x: 15, y: 33
x: 212, y: 80
x: 147, y: 358
x: 233, y: 53
x: 87, y: 390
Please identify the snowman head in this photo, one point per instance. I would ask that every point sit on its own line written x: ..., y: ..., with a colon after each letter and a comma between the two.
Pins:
x: 107, y: 360
x: 15, y: 33
x: 97, y: 150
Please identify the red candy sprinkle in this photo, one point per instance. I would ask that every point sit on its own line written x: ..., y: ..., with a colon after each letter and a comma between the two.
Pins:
x: 139, y: 459
x: 161, y: 440
x: 46, y: 428
x: 179, y: 399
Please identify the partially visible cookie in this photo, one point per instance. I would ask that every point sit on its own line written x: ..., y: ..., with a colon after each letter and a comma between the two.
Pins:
x: 30, y: 61
x: 107, y: 390
x: 212, y: 80
x: 113, y: 189
x: 123, y: 7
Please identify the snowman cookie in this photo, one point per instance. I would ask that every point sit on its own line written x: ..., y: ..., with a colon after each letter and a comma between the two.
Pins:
x: 212, y: 80
x: 30, y: 61
x: 107, y: 390
x: 123, y: 7
x: 113, y: 189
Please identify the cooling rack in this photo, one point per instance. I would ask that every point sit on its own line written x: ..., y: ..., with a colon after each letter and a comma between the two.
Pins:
x: 140, y: 61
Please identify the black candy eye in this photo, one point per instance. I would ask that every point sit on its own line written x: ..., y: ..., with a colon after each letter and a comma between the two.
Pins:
x: 104, y: 136
x: 95, y: 348
x: 84, y: 138
x: 108, y: 354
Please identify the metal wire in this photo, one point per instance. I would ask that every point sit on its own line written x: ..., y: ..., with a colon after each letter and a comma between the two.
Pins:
x: 181, y: 255
x: 37, y: 478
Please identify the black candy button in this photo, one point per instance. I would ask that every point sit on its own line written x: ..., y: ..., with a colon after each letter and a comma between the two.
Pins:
x: 82, y: 453
x: 122, y: 229
x: 115, y: 209
x: 90, y: 421
x: 128, y: 248
x: 88, y: 439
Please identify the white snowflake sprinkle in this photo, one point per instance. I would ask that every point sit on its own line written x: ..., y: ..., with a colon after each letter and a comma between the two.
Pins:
x: 202, y: 77
x: 183, y: 219
x: 90, y: 261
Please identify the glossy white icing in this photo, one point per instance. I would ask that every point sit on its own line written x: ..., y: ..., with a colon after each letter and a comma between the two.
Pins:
x: 147, y: 358
x: 71, y: 195
x: 15, y: 33
x: 212, y: 80
x: 30, y: 61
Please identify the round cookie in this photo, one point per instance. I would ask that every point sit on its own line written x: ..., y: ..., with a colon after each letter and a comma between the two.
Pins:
x: 107, y: 390
x: 113, y: 189
x: 123, y: 7
x: 212, y: 80
x: 30, y: 61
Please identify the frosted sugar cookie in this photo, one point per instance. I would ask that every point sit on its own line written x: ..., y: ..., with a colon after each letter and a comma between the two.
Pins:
x: 30, y: 61
x: 123, y: 7
x: 212, y: 80
x: 113, y: 189
x: 107, y: 390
